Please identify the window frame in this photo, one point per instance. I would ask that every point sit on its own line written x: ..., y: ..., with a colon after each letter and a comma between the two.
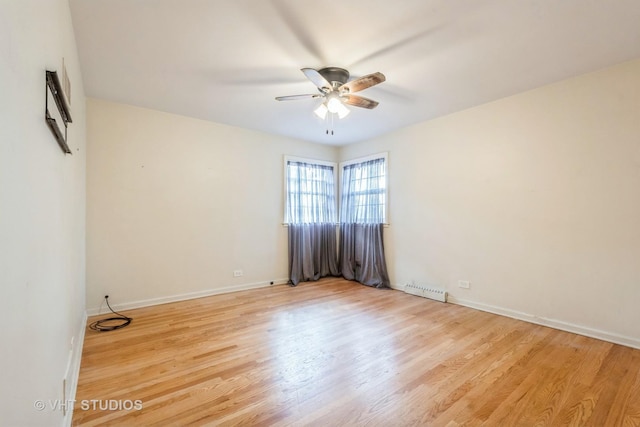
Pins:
x: 383, y: 155
x: 336, y: 182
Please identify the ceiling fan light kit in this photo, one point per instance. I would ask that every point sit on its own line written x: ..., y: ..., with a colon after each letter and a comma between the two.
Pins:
x: 321, y: 111
x: 336, y: 89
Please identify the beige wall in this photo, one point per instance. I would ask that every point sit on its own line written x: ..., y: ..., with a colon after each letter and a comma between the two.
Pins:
x: 534, y: 199
x: 42, y: 215
x: 176, y: 204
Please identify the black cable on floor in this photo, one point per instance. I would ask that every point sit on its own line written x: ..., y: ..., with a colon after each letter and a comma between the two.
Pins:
x: 103, y: 325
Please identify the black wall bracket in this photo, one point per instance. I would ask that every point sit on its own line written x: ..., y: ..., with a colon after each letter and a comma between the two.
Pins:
x: 59, y: 115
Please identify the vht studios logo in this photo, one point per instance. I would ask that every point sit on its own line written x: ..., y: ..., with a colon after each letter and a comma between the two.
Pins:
x: 87, y: 405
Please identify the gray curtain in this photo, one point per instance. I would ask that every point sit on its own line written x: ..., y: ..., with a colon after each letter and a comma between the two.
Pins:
x: 312, y: 252
x: 311, y: 215
x: 362, y: 218
x: 362, y: 254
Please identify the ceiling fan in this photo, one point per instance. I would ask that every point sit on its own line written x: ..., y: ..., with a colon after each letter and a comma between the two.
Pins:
x: 336, y: 90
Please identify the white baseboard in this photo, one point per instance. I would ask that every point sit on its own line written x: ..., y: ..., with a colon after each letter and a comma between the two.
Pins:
x: 552, y: 323
x: 398, y: 286
x: 514, y: 314
x: 73, y: 371
x: 187, y: 296
x: 544, y: 321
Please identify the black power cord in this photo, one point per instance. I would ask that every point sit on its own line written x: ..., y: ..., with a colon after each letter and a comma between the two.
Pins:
x: 106, y: 325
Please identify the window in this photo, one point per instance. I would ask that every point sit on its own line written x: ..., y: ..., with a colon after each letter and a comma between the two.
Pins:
x: 364, y: 190
x: 310, y: 191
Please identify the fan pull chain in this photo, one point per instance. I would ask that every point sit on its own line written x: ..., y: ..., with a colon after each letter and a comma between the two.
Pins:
x: 331, y: 126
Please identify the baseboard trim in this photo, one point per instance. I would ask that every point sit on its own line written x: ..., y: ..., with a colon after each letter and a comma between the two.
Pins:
x: 514, y: 314
x: 552, y: 323
x: 543, y: 321
x: 186, y: 296
x: 74, y: 368
x: 397, y: 286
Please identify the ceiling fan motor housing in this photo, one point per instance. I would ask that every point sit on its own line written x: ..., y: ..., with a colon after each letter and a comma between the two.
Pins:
x: 335, y: 74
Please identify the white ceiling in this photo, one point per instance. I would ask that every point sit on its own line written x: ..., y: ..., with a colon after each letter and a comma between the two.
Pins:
x: 226, y: 60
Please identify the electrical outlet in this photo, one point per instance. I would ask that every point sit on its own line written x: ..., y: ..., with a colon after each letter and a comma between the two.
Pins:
x: 465, y: 284
x: 237, y: 273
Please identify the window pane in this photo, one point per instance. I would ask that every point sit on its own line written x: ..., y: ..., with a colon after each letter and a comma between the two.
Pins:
x: 364, y: 192
x: 310, y: 193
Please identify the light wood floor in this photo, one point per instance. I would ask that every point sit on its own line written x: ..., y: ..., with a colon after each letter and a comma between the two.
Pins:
x: 336, y: 353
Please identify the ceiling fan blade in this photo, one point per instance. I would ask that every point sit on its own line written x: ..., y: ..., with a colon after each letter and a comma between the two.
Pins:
x: 364, y: 82
x: 359, y: 101
x: 317, y: 79
x: 295, y: 97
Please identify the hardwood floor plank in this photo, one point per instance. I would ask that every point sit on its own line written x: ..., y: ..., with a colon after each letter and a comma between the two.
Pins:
x: 339, y: 353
